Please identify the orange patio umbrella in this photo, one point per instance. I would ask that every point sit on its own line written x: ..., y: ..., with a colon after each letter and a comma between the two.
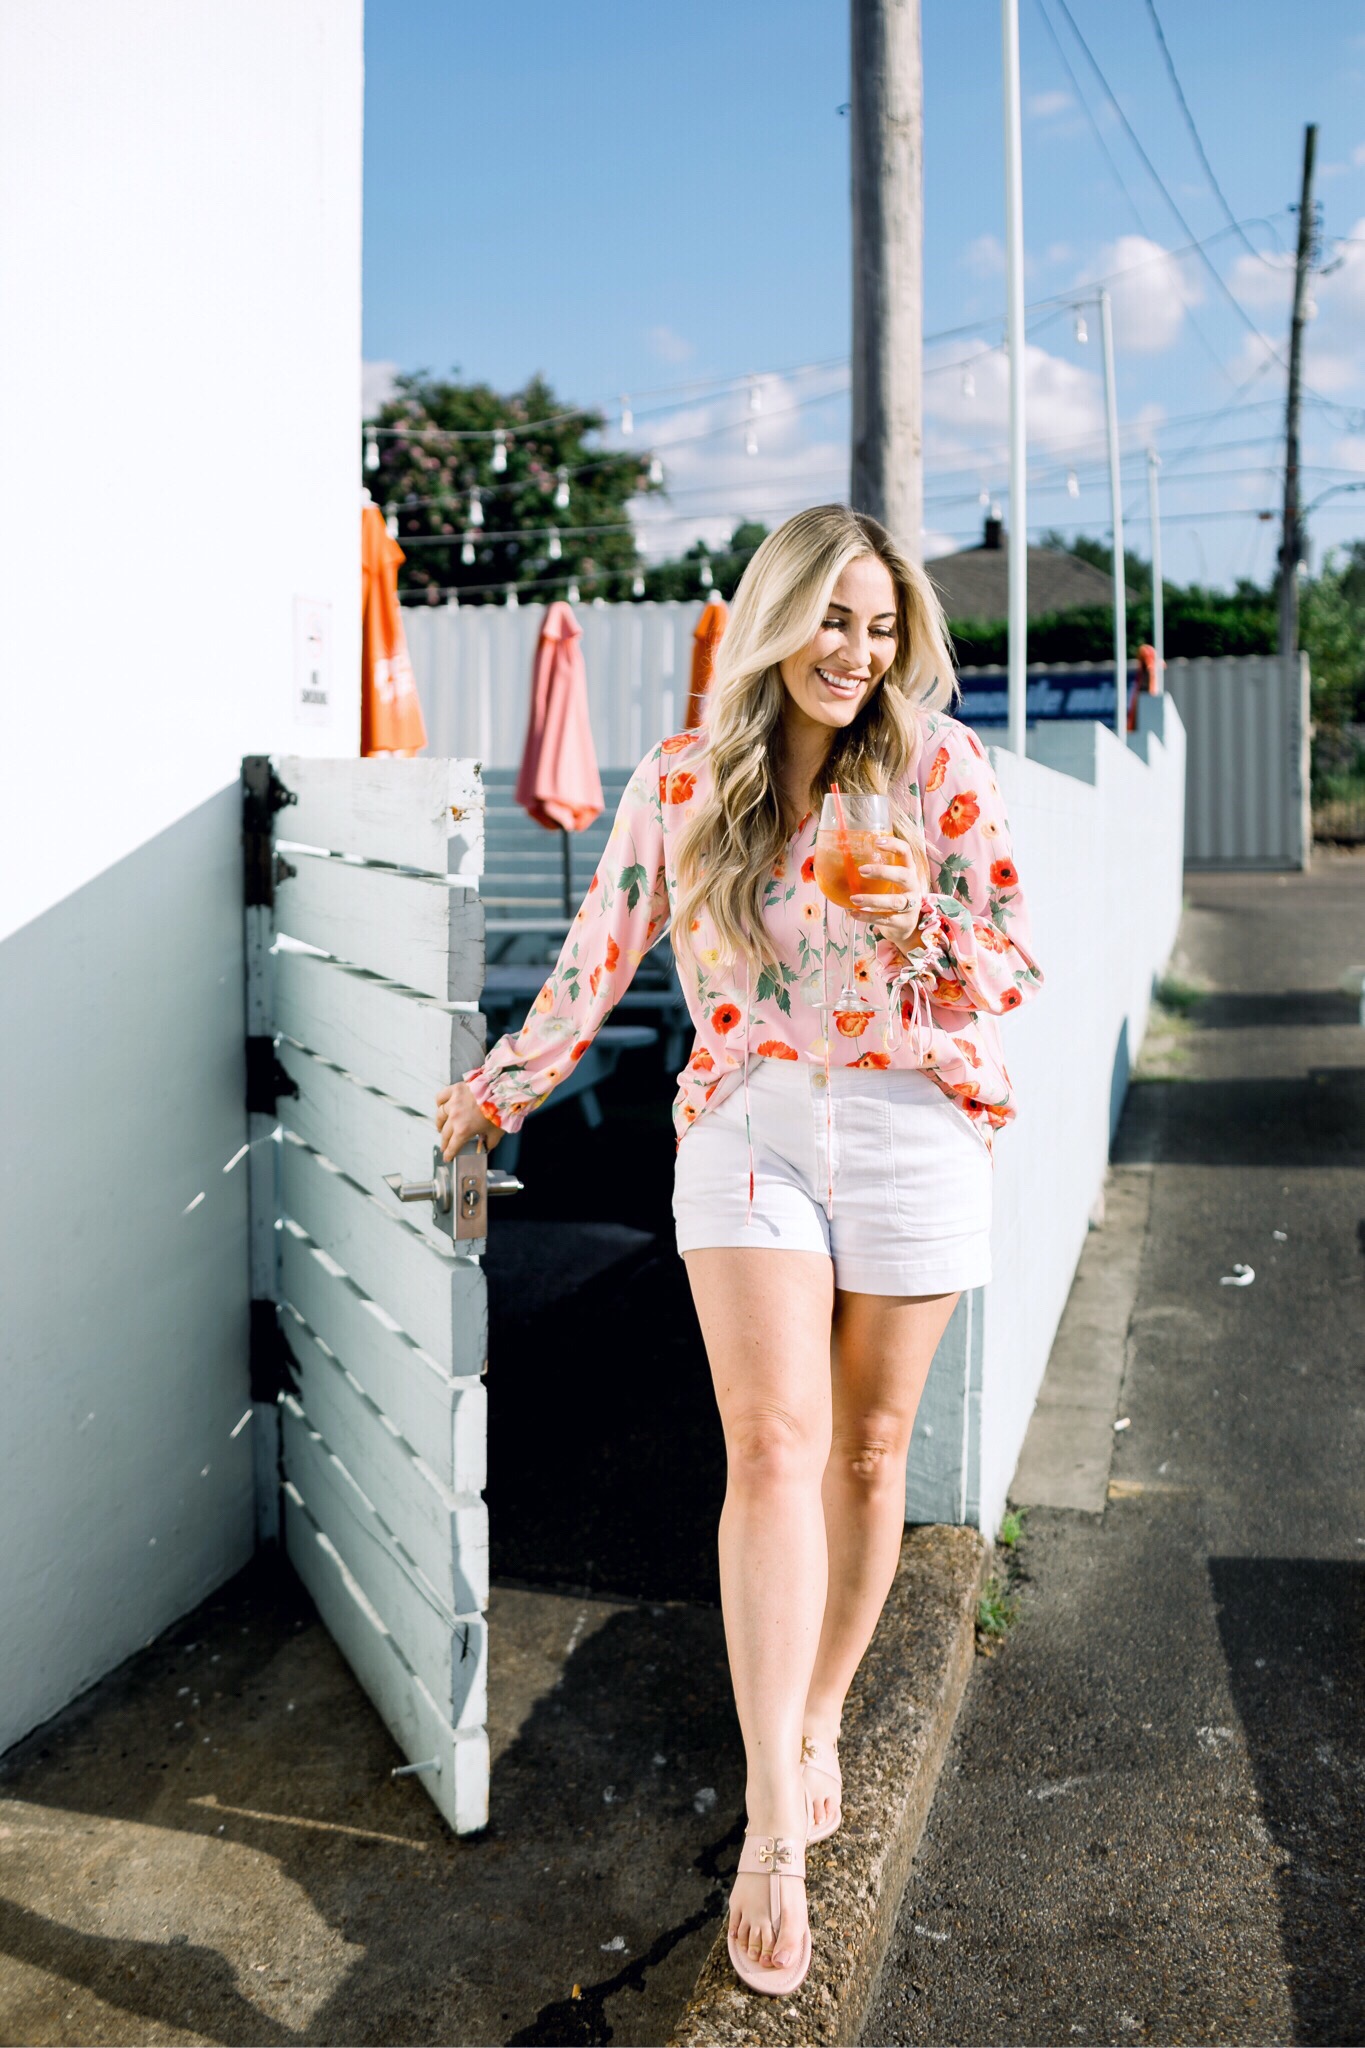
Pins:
x: 390, y: 710
x: 558, y: 782
x: 707, y: 635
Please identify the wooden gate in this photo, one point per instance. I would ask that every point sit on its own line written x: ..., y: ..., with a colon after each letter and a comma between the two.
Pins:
x: 365, y: 963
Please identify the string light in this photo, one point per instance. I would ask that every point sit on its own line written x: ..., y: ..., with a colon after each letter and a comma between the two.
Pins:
x: 391, y: 523
x: 562, y: 488
x: 499, y: 452
x: 573, y: 593
x: 553, y: 548
x: 983, y: 498
x: 467, y: 550
x: 704, y: 572
x: 656, y: 469
x: 968, y: 384
x: 1073, y: 488
x: 637, y: 586
x: 627, y: 416
x: 512, y: 598
x: 755, y: 396
x: 1082, y: 331
x: 751, y: 442
x: 371, y: 452
x: 475, y: 508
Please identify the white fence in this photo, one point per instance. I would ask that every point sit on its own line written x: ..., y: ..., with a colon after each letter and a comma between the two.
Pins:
x: 473, y: 668
x: 1247, y: 802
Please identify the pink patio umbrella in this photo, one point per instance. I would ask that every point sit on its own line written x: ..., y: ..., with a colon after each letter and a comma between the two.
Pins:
x: 559, y: 784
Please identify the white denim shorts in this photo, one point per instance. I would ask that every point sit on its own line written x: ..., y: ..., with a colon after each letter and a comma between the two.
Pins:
x: 912, y: 1178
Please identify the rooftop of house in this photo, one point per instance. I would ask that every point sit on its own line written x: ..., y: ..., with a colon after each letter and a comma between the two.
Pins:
x: 974, y: 583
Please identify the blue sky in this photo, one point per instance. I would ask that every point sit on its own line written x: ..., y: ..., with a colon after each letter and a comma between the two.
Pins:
x: 654, y: 201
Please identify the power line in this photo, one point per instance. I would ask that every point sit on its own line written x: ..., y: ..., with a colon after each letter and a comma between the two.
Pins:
x: 1194, y: 134
x: 1160, y: 182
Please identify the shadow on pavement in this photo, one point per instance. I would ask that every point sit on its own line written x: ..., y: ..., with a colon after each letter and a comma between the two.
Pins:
x: 1293, y: 1634
x: 1317, y: 1122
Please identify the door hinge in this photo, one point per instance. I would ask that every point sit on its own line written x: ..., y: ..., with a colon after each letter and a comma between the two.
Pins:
x: 266, y: 1079
x: 274, y: 1369
x: 262, y: 795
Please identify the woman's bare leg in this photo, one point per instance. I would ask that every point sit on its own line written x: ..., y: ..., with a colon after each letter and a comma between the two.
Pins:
x: 883, y: 1346
x: 765, y: 1316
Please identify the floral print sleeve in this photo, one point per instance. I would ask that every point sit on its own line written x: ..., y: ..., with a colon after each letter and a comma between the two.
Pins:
x: 624, y: 913
x: 975, y: 922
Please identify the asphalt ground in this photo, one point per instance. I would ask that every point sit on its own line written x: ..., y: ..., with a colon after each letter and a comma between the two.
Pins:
x: 1150, y: 1820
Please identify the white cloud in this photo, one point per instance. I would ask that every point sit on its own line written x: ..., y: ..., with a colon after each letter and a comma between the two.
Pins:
x: 1150, y: 290
x: 1064, y: 403
x: 984, y: 257
x: 712, y: 482
x: 670, y: 347
x: 1045, y: 106
x: 1333, y: 359
x: 1358, y: 154
x: 376, y: 386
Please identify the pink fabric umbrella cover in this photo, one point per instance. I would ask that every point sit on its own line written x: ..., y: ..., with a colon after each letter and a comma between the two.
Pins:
x: 558, y: 782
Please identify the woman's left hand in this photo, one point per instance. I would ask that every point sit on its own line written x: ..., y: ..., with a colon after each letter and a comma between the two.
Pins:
x: 895, y: 917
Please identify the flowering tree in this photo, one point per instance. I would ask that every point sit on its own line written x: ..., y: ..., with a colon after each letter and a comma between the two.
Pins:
x: 492, y: 490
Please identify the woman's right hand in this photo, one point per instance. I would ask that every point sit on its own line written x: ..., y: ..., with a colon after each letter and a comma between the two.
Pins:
x: 459, y: 1118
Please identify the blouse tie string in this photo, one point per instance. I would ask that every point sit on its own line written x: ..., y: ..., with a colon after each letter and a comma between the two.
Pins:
x: 748, y: 1127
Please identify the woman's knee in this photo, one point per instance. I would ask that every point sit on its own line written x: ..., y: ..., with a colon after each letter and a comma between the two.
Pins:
x: 769, y: 1447
x: 869, y: 1455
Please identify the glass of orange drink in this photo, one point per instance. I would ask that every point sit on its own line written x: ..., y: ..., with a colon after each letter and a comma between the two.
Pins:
x: 842, y: 844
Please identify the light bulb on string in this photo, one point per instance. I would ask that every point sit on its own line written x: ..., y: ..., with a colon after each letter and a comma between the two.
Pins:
x: 656, y: 469
x: 573, y: 593
x: 968, y: 384
x: 562, y: 488
x: 371, y: 452
x: 983, y: 498
x: 475, y: 508
x: 755, y: 396
x: 467, y: 551
x: 391, y: 523
x: 1082, y: 331
x: 751, y: 442
x: 637, y: 586
x: 553, y: 549
x: 704, y: 572
x: 512, y: 599
x: 499, y: 452
x: 627, y: 416
x: 1073, y: 487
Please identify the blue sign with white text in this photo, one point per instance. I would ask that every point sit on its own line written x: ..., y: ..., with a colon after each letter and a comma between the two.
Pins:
x: 1070, y: 693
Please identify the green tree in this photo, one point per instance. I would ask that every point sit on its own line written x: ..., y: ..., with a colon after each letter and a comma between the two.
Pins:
x: 1332, y: 629
x: 438, y: 446
x: 681, y: 578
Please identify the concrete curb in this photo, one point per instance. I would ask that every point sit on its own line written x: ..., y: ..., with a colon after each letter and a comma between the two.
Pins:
x: 897, y: 1722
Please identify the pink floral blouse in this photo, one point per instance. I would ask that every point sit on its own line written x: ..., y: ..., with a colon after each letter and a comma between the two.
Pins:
x: 936, y: 1008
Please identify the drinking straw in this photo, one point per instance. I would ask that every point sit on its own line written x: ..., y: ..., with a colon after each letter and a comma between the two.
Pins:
x: 851, y: 874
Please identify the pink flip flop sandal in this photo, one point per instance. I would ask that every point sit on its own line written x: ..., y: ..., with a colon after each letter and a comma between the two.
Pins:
x: 779, y: 1857
x: 811, y: 1755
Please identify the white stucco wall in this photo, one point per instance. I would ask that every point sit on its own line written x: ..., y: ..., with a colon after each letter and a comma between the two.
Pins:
x: 180, y: 411
x: 1098, y: 842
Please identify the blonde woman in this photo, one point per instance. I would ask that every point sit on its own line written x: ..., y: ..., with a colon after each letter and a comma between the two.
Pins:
x: 832, y: 1189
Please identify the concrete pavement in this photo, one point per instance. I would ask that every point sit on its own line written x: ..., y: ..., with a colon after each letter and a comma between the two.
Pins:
x: 1150, y: 1821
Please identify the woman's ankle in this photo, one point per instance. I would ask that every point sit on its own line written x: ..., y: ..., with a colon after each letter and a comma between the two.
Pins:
x: 821, y: 1720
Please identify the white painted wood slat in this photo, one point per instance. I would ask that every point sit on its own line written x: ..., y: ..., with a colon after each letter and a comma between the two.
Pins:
x: 459, y: 1789
x: 407, y: 1044
x: 445, y: 1535
x: 420, y: 930
x: 448, y: 1655
x: 363, y: 1132
x: 387, y: 810
x: 440, y: 1300
x: 444, y: 1420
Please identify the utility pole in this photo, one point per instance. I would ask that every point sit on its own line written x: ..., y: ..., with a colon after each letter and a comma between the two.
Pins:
x: 1111, y: 425
x: 1017, y: 693
x: 886, y: 114
x: 1291, y: 544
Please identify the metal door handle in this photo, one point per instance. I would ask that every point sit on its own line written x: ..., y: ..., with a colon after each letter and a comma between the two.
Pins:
x: 468, y: 1175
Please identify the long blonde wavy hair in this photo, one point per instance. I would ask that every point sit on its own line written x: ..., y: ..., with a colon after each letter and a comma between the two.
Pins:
x: 727, y: 851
